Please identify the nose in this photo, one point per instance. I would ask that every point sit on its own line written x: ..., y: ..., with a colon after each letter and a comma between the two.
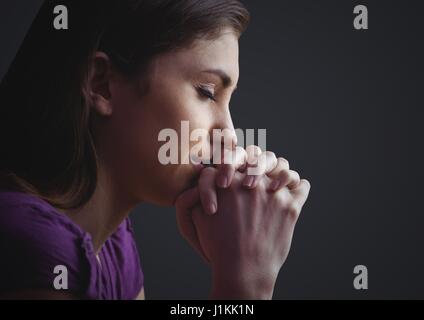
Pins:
x: 224, y: 123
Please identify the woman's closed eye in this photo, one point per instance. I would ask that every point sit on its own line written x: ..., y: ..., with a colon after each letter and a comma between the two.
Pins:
x: 207, y: 91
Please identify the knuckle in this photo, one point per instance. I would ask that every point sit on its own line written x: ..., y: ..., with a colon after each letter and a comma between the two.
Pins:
x: 241, y: 156
x: 280, y: 199
x: 262, y: 163
x: 295, y: 175
x: 284, y: 175
x: 237, y: 180
x: 271, y: 160
x: 292, y: 211
x: 227, y: 157
x: 307, y: 184
x: 270, y: 155
x: 253, y: 150
x: 241, y: 151
x: 284, y: 162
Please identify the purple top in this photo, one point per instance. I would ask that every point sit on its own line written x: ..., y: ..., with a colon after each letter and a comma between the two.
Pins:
x: 35, y: 238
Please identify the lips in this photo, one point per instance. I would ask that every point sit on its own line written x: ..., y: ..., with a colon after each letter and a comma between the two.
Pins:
x: 208, y: 164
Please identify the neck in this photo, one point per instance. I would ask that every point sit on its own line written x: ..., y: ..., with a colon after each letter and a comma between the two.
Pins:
x: 104, y: 212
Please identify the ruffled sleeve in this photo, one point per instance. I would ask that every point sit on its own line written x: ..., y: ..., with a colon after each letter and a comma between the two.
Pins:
x: 34, y: 239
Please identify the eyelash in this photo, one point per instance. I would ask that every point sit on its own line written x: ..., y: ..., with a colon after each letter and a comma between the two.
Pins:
x: 206, y: 93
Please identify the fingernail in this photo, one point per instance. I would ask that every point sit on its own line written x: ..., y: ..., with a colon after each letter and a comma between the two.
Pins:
x: 254, y: 182
x: 212, y: 208
x: 223, y: 181
x: 275, y: 184
x: 248, y: 181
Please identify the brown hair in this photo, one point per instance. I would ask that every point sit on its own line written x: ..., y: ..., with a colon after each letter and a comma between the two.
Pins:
x: 45, y: 132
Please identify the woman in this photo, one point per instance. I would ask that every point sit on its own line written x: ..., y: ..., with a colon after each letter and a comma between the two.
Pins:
x: 81, y: 110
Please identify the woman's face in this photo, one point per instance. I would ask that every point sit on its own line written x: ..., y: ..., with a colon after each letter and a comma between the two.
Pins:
x: 193, y: 84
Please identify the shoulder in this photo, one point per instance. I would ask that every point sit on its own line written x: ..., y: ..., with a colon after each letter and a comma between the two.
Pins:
x: 21, y: 213
x: 28, y: 220
x: 34, y: 239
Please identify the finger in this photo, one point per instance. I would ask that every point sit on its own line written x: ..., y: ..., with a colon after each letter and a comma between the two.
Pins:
x: 282, y: 164
x: 188, y: 199
x: 225, y: 140
x: 184, y: 206
x: 207, y: 191
x: 286, y: 178
x: 301, y: 192
x: 253, y: 152
x: 232, y: 161
x: 266, y: 162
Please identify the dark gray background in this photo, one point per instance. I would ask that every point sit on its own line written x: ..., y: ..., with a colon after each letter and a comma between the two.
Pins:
x: 345, y: 107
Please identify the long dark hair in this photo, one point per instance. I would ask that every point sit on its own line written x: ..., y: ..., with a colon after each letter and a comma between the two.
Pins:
x: 47, y: 146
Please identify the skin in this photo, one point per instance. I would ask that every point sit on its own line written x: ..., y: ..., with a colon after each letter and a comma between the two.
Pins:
x: 129, y: 114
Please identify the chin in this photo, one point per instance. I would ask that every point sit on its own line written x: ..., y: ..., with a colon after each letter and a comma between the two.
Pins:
x: 170, y: 185
x: 168, y: 194
x: 180, y: 185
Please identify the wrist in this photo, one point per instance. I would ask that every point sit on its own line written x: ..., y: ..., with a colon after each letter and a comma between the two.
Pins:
x: 227, y: 285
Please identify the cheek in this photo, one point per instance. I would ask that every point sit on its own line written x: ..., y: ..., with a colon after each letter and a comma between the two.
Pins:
x: 180, y: 110
x: 137, y: 124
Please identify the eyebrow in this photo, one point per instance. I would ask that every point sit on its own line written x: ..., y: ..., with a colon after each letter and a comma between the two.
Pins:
x: 225, y: 78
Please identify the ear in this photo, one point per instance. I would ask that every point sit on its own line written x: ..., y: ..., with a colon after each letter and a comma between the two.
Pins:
x: 99, y: 84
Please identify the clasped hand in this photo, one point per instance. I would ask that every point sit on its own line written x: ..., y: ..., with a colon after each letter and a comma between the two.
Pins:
x: 242, y: 224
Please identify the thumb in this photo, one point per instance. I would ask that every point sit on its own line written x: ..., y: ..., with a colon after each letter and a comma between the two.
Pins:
x: 184, y: 205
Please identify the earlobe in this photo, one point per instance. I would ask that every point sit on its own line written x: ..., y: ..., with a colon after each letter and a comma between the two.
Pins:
x: 99, y: 84
x: 101, y: 105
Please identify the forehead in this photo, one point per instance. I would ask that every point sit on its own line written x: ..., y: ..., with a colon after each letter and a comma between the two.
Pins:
x: 219, y: 53
x: 222, y: 52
